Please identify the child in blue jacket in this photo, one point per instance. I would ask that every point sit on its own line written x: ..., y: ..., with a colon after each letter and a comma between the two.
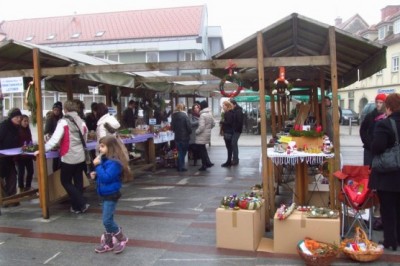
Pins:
x: 110, y: 166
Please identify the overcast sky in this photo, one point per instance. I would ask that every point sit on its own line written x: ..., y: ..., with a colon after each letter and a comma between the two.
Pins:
x: 238, y: 18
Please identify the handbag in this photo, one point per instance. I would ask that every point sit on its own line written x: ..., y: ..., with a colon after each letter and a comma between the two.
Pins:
x: 88, y: 156
x: 389, y: 160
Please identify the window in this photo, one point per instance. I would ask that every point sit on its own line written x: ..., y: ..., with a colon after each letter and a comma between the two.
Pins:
x: 381, y: 33
x: 99, y: 33
x: 395, y: 63
x: 351, y: 94
x: 29, y: 38
x: 396, y: 27
x: 113, y: 57
x: 379, y: 73
x: 152, y: 57
x: 102, y: 56
x: 190, y: 56
x: 51, y: 37
x: 75, y: 35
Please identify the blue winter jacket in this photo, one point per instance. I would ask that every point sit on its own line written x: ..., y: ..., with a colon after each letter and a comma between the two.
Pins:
x: 108, y: 176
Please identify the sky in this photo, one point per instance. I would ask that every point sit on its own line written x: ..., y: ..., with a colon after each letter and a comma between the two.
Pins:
x: 238, y: 19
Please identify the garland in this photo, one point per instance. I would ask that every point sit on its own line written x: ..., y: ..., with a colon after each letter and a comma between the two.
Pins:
x: 30, y: 102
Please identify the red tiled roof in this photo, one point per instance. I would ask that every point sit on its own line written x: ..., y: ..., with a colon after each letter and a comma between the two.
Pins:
x: 134, y: 24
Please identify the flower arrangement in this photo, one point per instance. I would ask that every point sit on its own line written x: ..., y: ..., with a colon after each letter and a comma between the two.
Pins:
x: 306, y: 133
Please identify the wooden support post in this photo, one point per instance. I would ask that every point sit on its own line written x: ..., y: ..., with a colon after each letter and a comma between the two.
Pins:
x: 267, y: 189
x: 43, y: 182
x: 335, y: 109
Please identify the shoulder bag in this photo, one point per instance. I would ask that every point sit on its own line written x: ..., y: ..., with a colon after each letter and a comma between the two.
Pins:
x: 389, y: 160
x: 88, y: 156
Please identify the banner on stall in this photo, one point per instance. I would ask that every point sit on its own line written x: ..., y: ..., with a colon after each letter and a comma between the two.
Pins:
x: 12, y: 85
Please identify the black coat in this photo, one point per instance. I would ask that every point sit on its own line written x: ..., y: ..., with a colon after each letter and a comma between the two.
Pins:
x: 384, y: 138
x: 238, y: 118
x: 129, y: 117
x: 367, y: 128
x: 228, y: 122
x: 181, y: 126
x: 9, y: 135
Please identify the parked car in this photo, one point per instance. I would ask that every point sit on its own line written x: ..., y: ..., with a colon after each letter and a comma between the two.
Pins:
x: 369, y: 107
x: 348, y: 114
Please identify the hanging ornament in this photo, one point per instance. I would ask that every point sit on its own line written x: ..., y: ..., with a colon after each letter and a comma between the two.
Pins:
x: 231, y: 77
x: 30, y: 101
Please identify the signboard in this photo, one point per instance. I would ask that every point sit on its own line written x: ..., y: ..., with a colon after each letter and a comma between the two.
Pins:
x: 152, y: 121
x: 93, y: 90
x: 12, y: 85
x: 386, y: 91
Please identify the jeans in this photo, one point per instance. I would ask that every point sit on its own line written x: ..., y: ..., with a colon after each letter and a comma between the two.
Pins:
x: 235, y: 148
x: 23, y: 163
x: 183, y: 147
x: 228, y: 145
x: 69, y: 173
x: 108, y: 216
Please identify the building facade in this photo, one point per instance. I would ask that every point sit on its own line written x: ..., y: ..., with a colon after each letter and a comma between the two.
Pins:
x: 135, y: 36
x: 386, y: 32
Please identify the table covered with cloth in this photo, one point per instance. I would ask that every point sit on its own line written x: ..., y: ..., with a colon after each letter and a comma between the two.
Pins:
x: 301, y: 160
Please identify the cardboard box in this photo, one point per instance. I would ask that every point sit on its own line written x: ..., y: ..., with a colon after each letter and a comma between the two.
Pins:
x: 241, y: 229
x: 287, y: 233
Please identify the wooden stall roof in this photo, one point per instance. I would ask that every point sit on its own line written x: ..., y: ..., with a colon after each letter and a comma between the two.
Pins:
x: 299, y: 36
x: 16, y: 55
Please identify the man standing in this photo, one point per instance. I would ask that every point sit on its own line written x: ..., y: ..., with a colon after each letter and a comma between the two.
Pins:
x: 182, y: 128
x: 130, y: 115
x: 237, y: 127
x: 9, y: 138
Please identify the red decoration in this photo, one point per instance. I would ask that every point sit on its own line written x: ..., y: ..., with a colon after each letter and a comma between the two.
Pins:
x: 232, y: 78
x: 281, y: 79
x: 318, y: 128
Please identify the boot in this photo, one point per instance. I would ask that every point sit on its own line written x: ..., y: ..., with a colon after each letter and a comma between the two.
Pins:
x: 106, y: 243
x: 119, y: 241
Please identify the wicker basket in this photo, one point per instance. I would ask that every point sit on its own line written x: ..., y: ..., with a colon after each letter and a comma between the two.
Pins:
x: 320, y: 260
x: 371, y: 254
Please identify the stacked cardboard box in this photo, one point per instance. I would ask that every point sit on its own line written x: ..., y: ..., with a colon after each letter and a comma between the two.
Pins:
x: 240, y: 229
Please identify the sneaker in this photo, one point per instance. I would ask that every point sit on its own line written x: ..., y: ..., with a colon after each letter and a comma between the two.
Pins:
x: 84, y: 209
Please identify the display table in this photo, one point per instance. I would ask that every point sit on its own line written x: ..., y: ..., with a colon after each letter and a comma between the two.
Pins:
x: 301, y: 160
x: 54, y: 187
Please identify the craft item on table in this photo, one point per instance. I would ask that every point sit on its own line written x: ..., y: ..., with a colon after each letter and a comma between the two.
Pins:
x: 317, y: 253
x: 283, y: 212
x: 360, y: 248
x: 285, y: 139
x: 30, y: 147
x: 230, y: 202
x: 327, y: 146
x: 322, y: 212
x: 249, y: 203
x: 304, y: 208
x: 278, y: 148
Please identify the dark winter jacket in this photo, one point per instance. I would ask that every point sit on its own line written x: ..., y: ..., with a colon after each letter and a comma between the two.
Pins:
x: 25, y: 136
x: 228, y: 122
x: 91, y: 122
x: 181, y: 126
x: 238, y: 119
x: 129, y: 117
x: 384, y: 138
x: 108, y: 177
x: 51, y: 122
x: 9, y: 135
x: 367, y: 127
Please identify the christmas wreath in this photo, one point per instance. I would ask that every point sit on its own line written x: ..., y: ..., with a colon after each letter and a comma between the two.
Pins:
x: 231, y: 77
